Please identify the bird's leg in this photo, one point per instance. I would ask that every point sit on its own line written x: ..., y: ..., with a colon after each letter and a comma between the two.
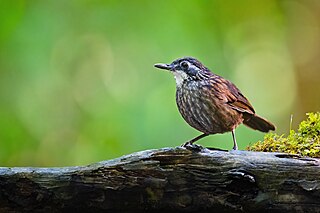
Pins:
x: 235, y: 146
x: 195, y: 139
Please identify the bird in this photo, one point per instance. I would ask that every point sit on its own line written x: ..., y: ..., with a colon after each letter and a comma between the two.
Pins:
x: 210, y: 103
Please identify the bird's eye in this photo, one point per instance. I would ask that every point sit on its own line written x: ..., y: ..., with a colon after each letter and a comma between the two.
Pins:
x: 184, y: 65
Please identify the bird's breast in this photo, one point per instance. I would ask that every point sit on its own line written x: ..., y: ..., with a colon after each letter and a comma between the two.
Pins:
x: 203, y: 110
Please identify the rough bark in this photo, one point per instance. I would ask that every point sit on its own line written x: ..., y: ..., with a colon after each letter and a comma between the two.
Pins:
x: 168, y: 179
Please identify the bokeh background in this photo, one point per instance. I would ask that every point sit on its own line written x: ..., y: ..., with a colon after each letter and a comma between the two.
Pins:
x: 77, y: 83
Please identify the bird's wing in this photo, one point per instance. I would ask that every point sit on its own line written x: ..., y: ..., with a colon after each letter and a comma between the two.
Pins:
x: 242, y: 107
x: 232, y: 96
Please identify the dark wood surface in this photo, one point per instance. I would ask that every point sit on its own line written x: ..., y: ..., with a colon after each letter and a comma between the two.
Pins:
x: 169, y: 179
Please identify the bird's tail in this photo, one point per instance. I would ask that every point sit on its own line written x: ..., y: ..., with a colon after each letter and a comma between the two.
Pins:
x: 258, y: 123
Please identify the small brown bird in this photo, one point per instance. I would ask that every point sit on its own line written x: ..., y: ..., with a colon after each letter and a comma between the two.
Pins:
x: 210, y: 103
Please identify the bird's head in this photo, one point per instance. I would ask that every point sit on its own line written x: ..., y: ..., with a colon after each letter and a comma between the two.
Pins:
x: 186, y: 69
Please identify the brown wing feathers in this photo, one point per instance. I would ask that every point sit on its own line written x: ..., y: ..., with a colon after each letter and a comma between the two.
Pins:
x: 237, y: 101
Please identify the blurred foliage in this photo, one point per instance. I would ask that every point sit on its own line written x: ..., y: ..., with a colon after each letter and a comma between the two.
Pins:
x: 77, y: 83
x: 304, y: 142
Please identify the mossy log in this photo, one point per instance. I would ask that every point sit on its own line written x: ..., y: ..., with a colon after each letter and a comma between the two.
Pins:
x: 170, y: 179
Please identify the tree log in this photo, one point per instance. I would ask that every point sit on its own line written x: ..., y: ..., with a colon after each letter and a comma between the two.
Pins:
x: 191, y: 179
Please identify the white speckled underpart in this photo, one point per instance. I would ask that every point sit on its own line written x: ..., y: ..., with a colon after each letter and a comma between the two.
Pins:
x: 203, y: 109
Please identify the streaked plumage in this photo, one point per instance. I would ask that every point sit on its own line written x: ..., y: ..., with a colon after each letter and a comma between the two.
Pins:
x: 210, y: 103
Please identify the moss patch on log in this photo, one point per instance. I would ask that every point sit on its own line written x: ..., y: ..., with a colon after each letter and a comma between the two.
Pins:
x: 305, y: 141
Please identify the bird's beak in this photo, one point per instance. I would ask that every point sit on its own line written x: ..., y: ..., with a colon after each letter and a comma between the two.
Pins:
x: 164, y: 66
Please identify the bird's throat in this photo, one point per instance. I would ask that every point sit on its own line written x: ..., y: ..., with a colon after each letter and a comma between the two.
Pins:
x: 180, y: 77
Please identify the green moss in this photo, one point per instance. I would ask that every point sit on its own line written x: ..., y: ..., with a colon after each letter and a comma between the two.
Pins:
x: 304, y: 142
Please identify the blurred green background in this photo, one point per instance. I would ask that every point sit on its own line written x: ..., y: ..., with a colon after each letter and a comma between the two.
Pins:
x: 77, y: 82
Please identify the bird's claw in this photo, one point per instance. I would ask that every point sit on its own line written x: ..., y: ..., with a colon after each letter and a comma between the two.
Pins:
x: 193, y: 147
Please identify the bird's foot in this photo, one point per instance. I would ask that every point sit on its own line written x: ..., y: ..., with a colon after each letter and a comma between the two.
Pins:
x: 188, y: 143
x: 193, y: 147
